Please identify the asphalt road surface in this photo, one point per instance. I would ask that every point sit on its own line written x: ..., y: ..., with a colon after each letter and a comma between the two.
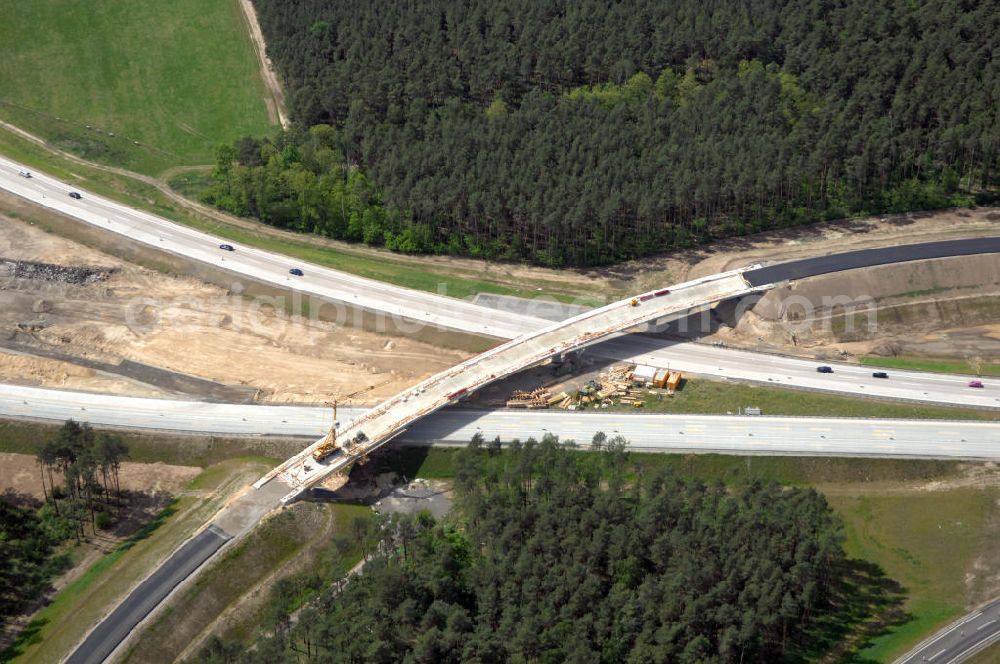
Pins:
x: 111, y: 631
x: 780, y: 371
x: 960, y: 640
x: 458, y: 314
x: 724, y: 434
x: 730, y: 434
x: 852, y: 260
x: 337, y: 286
x: 268, y: 267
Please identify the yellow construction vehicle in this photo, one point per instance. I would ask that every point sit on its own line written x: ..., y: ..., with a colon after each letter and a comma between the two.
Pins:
x: 634, y: 302
x: 329, y: 444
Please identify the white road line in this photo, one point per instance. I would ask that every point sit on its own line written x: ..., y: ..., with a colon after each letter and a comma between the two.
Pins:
x: 975, y: 648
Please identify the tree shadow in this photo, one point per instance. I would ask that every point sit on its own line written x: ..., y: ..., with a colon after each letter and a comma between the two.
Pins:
x: 864, y: 603
x: 367, y: 482
x: 150, y: 527
x: 17, y: 498
x: 26, y: 637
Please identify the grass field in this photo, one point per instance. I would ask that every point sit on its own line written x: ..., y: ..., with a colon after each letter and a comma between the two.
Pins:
x: 989, y: 656
x: 203, y: 451
x: 440, y: 463
x: 939, y: 366
x: 720, y: 397
x: 927, y: 542
x: 62, y: 623
x: 177, y: 77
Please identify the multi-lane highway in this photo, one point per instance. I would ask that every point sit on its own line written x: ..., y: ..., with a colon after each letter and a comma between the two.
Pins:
x: 461, y: 315
x: 967, y: 636
x: 779, y: 370
x: 727, y: 434
x: 394, y: 416
x: 164, y: 235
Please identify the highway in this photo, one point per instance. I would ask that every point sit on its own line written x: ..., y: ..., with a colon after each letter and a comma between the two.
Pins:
x: 457, y: 314
x: 960, y: 640
x: 390, y: 418
x: 535, y: 343
x: 778, y: 370
x: 725, y: 434
x: 149, y: 229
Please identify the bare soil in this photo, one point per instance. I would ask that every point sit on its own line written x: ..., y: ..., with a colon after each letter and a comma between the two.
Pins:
x: 808, y: 241
x: 30, y: 370
x: 186, y: 326
x: 946, y: 308
x: 19, y: 472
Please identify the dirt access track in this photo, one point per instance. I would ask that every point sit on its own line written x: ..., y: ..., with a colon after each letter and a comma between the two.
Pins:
x: 142, y: 332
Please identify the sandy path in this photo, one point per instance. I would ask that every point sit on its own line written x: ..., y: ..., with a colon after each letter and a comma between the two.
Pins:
x: 276, y: 102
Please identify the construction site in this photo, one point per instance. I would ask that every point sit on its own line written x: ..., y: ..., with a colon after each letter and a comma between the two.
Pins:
x: 76, y: 318
x: 621, y: 385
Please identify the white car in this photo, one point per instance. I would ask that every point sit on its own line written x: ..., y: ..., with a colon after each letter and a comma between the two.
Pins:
x: 24, y: 174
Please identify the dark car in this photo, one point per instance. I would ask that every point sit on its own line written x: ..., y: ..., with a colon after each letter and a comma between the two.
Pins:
x: 880, y: 374
x: 296, y: 271
x: 226, y: 247
x: 75, y: 194
x: 975, y: 383
x: 824, y: 369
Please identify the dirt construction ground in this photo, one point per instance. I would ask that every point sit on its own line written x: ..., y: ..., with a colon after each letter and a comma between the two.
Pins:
x: 947, y: 308
x: 141, y: 332
x: 806, y: 242
x: 169, y: 331
x: 19, y: 472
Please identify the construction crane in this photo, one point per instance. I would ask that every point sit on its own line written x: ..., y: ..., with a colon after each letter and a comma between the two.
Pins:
x: 329, y: 444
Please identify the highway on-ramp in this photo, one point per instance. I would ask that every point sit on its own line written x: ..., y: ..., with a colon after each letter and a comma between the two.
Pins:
x: 137, y: 605
x: 404, y: 305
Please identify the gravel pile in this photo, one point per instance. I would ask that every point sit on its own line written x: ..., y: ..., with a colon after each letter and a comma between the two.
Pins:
x: 49, y: 272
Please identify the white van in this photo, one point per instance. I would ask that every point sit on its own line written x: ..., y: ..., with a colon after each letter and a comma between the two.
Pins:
x: 24, y: 174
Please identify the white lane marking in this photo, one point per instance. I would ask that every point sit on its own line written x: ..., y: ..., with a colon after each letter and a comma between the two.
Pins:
x: 937, y: 654
x: 939, y: 637
x: 982, y: 645
x: 985, y: 624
